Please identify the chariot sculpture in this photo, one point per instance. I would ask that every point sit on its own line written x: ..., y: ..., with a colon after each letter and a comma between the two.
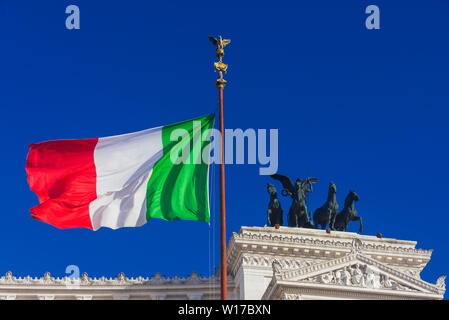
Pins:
x: 326, y: 216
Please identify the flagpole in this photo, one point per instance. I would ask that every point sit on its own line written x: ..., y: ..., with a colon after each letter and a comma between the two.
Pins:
x: 220, y: 84
x: 224, y: 288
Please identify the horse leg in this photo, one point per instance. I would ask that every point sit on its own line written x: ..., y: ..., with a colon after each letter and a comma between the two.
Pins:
x: 316, y: 219
x: 332, y: 221
x: 291, y: 218
x: 360, y: 220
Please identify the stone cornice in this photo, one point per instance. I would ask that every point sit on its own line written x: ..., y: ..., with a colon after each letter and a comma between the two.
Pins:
x: 121, y: 281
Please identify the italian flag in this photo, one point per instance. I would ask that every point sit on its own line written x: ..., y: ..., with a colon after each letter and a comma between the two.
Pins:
x: 124, y: 180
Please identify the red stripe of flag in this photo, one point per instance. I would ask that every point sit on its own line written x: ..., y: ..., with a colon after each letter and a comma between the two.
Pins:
x: 62, y: 174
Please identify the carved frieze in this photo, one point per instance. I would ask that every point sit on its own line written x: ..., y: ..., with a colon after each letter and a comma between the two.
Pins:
x: 359, y: 275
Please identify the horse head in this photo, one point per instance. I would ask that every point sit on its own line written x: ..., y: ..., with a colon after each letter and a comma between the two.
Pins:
x: 332, y: 187
x: 352, y: 196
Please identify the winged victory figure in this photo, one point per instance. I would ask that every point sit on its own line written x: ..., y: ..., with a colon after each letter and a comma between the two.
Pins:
x: 219, y: 44
x: 297, y: 215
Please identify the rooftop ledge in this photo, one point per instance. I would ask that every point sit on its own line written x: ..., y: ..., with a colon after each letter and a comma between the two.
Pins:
x: 324, y: 234
x: 335, y: 239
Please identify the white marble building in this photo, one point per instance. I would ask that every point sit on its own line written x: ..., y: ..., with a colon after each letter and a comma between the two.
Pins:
x: 265, y: 263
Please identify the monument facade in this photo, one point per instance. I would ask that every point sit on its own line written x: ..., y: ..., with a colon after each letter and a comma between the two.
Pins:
x: 268, y: 263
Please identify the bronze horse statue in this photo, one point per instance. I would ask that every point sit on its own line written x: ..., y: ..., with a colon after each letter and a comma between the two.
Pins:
x: 326, y: 214
x: 274, y: 213
x: 348, y: 213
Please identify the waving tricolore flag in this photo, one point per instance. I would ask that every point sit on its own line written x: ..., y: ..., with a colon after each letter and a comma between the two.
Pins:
x: 120, y: 181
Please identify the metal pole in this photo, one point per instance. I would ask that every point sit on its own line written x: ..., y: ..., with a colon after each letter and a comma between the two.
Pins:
x: 224, y: 289
x: 220, y: 84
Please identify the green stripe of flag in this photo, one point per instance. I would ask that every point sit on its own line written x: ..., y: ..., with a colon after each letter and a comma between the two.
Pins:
x: 180, y: 191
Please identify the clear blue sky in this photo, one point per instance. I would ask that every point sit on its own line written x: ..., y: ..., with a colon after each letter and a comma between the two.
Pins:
x: 367, y: 109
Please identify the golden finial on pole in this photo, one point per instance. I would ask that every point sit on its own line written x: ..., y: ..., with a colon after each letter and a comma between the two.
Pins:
x: 220, y: 66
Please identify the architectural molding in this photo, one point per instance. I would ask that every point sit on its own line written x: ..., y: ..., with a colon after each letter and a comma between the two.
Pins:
x: 120, y: 281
